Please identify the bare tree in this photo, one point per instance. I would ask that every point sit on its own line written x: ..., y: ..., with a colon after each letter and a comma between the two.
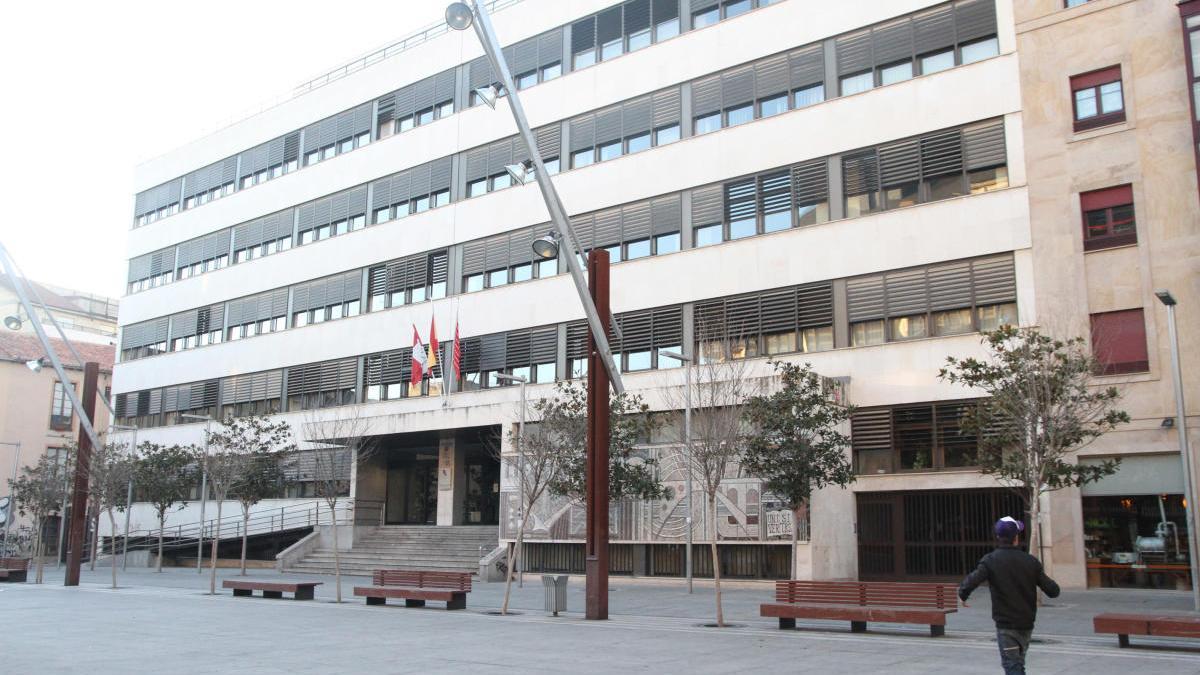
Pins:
x: 1040, y: 409
x: 38, y: 492
x: 110, y: 470
x: 718, y: 393
x: 233, y: 450
x: 539, y: 463
x: 338, y: 440
x: 164, y: 475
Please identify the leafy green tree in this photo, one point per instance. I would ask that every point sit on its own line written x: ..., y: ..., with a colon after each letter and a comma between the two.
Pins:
x: 564, y: 418
x: 1041, y: 408
x: 796, y: 444
x: 262, y: 478
x: 38, y: 492
x: 164, y: 475
x: 234, y: 449
x: 110, y: 470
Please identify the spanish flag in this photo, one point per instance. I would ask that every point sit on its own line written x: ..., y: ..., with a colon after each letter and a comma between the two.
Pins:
x: 433, y: 345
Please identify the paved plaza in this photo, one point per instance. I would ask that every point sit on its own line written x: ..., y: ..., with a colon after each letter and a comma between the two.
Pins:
x: 166, y: 622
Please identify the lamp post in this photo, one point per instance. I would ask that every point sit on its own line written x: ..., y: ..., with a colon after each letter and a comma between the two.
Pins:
x: 593, y: 295
x: 505, y: 377
x: 687, y: 444
x: 203, y: 487
x: 128, y: 492
x: 11, y: 507
x: 1185, y: 451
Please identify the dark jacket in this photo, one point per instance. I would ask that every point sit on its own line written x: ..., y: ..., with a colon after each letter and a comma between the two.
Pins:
x: 1013, y: 577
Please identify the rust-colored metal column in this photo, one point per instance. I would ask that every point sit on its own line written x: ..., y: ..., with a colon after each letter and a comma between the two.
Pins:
x: 596, y: 562
x: 83, y: 461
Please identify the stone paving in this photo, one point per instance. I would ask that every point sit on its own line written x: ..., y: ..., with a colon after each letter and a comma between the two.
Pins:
x: 167, y: 623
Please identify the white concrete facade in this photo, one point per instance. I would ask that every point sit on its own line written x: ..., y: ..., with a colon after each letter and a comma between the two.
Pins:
x: 893, y: 373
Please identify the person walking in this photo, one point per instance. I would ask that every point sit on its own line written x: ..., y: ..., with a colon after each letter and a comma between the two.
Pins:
x: 1013, y: 577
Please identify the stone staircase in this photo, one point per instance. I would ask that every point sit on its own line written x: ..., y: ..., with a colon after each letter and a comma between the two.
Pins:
x: 415, y: 547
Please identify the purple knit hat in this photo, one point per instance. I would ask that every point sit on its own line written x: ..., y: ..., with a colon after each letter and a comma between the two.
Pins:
x: 1008, y: 527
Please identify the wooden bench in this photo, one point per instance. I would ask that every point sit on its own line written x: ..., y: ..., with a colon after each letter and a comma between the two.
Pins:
x: 301, y: 590
x: 861, y: 601
x: 14, y: 569
x: 1158, y: 625
x: 416, y: 587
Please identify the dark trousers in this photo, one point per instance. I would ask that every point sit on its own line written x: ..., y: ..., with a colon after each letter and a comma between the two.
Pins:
x: 1013, y: 645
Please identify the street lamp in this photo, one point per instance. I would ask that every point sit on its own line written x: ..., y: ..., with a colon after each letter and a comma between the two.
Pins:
x: 505, y: 377
x: 203, y: 487
x: 128, y: 493
x: 460, y: 16
x: 687, y: 443
x: 1185, y: 451
x: 11, y: 506
x: 12, y: 322
x: 35, y: 364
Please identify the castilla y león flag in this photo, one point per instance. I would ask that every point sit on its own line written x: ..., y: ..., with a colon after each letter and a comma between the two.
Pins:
x: 418, y: 358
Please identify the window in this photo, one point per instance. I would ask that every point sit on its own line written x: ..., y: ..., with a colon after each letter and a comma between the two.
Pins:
x: 610, y: 151
x: 582, y: 158
x: 865, y: 333
x: 897, y: 72
x: 584, y: 59
x: 707, y: 17
x: 854, y: 84
x: 637, y: 249
x: 773, y: 106
x: 707, y: 235
x: 707, y: 123
x: 666, y: 243
x: 637, y: 143
x: 739, y: 115
x: 1108, y: 219
x: 1119, y: 342
x: 665, y: 135
x: 1097, y: 98
x: 937, y: 62
x: 60, y: 408
x: 979, y: 50
x: 525, y: 80
x: 811, y: 95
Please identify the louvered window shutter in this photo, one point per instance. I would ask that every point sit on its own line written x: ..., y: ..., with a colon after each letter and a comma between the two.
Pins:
x: 934, y: 30
x: 974, y: 19
x: 668, y: 327
x: 899, y: 162
x: 941, y: 153
x: 517, y: 353
x: 608, y: 125
x: 741, y: 200
x: 994, y: 280
x: 583, y: 132
x: 577, y: 339
x: 666, y: 215
x: 815, y: 304
x: 637, y: 116
x: 665, y: 10
x: 543, y: 345
x: 492, y: 354
x: 854, y: 53
x: 778, y: 311
x: 907, y: 292
x: 637, y: 329
x: 893, y: 42
x: 742, y: 317
x: 608, y: 26
x: 871, y: 429
x: 637, y: 16
x: 635, y: 222
x: 707, y: 205
x: 860, y: 173
x: 950, y: 286
x: 667, y: 108
x: 709, y: 319
x: 706, y: 96
x: 737, y: 87
x: 865, y: 298
x: 806, y: 66
x: 583, y: 35
x: 984, y: 145
x: 771, y: 77
x: 775, y: 193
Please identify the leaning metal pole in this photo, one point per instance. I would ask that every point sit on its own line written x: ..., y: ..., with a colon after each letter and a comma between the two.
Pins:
x: 596, y: 475
x: 558, y: 214
x: 1185, y: 453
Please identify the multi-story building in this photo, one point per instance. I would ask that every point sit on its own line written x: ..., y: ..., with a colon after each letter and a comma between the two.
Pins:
x: 83, y: 316
x: 844, y: 185
x: 36, y: 415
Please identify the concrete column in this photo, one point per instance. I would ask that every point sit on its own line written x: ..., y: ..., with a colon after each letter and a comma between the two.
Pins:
x: 452, y: 481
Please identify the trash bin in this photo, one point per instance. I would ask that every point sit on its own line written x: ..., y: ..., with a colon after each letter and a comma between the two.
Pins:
x: 556, y: 592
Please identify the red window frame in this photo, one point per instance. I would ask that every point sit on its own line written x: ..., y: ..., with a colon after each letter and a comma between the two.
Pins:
x: 1115, y: 206
x: 1119, y: 342
x: 1094, y: 80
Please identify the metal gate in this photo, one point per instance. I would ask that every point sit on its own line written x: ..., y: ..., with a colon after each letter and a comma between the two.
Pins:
x: 934, y: 534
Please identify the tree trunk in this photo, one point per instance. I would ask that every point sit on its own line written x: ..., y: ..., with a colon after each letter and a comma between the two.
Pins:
x: 37, y: 548
x: 245, y: 524
x: 95, y: 521
x: 112, y: 558
x: 795, y: 540
x: 216, y: 539
x: 162, y: 522
x: 512, y: 561
x: 1035, y: 534
x: 337, y: 556
x: 716, y: 560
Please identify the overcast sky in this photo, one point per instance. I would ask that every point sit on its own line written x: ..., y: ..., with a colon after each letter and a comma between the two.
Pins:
x: 93, y: 88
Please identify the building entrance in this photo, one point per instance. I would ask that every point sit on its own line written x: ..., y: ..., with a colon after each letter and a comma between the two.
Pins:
x: 412, y: 489
x: 931, y: 534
